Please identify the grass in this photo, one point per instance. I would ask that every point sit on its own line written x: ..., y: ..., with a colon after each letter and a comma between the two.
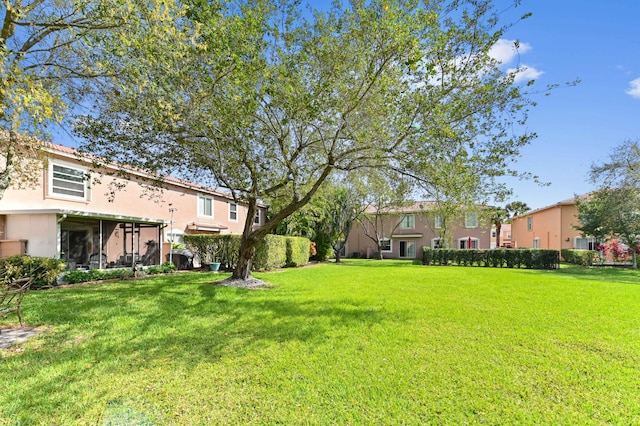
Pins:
x: 365, y: 342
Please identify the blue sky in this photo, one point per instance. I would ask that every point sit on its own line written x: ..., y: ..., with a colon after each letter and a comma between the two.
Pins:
x: 599, y: 43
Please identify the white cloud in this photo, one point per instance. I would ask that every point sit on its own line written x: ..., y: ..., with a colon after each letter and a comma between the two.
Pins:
x: 504, y: 51
x: 525, y: 73
x: 634, y: 90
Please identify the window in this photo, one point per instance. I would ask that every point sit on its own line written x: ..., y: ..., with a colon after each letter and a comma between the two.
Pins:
x: 256, y: 218
x: 530, y: 223
x: 176, y: 237
x: 582, y: 243
x: 470, y: 220
x: 469, y: 243
x: 437, y: 221
x: 536, y: 243
x: 233, y: 212
x: 67, y: 181
x: 408, y: 249
x: 205, y: 206
x: 408, y: 222
x: 436, y: 243
x: 493, y: 233
x: 385, y: 244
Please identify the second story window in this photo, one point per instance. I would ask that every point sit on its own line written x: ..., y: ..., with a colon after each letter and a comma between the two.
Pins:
x: 437, y: 221
x: 530, y: 223
x: 408, y: 222
x: 470, y: 220
x: 233, y: 212
x: 67, y: 181
x: 205, y: 206
x: 256, y: 218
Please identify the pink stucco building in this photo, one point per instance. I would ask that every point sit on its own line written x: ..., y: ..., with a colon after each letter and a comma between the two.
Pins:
x: 550, y: 227
x: 113, y: 221
x: 418, y: 226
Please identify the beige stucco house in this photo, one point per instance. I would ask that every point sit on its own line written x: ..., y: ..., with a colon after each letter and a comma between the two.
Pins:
x: 550, y: 227
x: 111, y: 221
x: 408, y: 229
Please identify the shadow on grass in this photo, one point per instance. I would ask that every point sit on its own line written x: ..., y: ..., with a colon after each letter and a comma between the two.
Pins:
x: 120, y: 328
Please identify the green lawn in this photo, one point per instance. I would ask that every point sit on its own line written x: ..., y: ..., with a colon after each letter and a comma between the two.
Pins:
x: 366, y: 342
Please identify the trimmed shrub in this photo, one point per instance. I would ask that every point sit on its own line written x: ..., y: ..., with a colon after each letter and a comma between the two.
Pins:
x: 271, y: 253
x: 579, y: 257
x: 43, y: 270
x: 274, y: 251
x: 496, y: 258
x: 297, y: 251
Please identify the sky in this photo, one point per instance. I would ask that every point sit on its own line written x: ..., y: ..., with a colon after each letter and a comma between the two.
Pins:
x: 597, y: 42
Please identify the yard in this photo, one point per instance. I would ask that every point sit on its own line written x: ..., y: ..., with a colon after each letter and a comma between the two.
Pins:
x: 365, y: 342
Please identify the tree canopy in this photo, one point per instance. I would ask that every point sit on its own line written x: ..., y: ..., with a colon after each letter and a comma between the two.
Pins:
x: 50, y: 51
x: 267, y: 99
x: 612, y: 210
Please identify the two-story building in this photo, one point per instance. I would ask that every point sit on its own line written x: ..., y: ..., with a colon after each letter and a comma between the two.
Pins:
x: 103, y: 219
x: 406, y: 230
x: 550, y: 227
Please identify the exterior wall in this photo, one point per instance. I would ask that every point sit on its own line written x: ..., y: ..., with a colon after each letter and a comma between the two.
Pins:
x: 359, y: 244
x: 40, y: 230
x: 33, y: 213
x: 553, y: 226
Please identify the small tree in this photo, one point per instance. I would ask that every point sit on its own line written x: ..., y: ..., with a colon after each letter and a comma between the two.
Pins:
x: 387, y: 195
x: 498, y: 216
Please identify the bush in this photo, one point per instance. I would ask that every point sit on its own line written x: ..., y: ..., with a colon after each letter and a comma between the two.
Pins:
x: 74, y: 277
x: 271, y: 253
x: 274, y: 251
x: 297, y: 251
x: 496, y: 258
x: 43, y: 270
x: 578, y: 257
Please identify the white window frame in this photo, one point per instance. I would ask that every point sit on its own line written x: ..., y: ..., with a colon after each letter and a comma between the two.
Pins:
x: 410, y: 246
x: 536, y: 243
x: 233, y: 210
x: 201, y: 210
x: 435, y: 242
x: 73, y: 167
x: 408, y: 221
x: 578, y: 243
x: 437, y: 221
x: 471, y: 220
x: 382, y: 240
x: 257, y: 218
x: 530, y: 223
x: 474, y: 242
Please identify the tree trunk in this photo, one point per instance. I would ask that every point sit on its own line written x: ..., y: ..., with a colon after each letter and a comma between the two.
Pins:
x: 243, y: 268
x: 498, y: 229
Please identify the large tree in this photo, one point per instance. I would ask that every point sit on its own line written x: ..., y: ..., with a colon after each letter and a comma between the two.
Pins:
x: 267, y: 100
x: 49, y: 51
x: 612, y: 210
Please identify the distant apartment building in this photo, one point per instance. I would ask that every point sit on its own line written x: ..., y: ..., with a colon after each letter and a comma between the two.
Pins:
x: 408, y: 229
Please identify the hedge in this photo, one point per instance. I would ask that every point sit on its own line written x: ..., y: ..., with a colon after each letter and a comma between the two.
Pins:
x: 274, y: 251
x: 495, y: 258
x: 43, y: 270
x: 579, y: 257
